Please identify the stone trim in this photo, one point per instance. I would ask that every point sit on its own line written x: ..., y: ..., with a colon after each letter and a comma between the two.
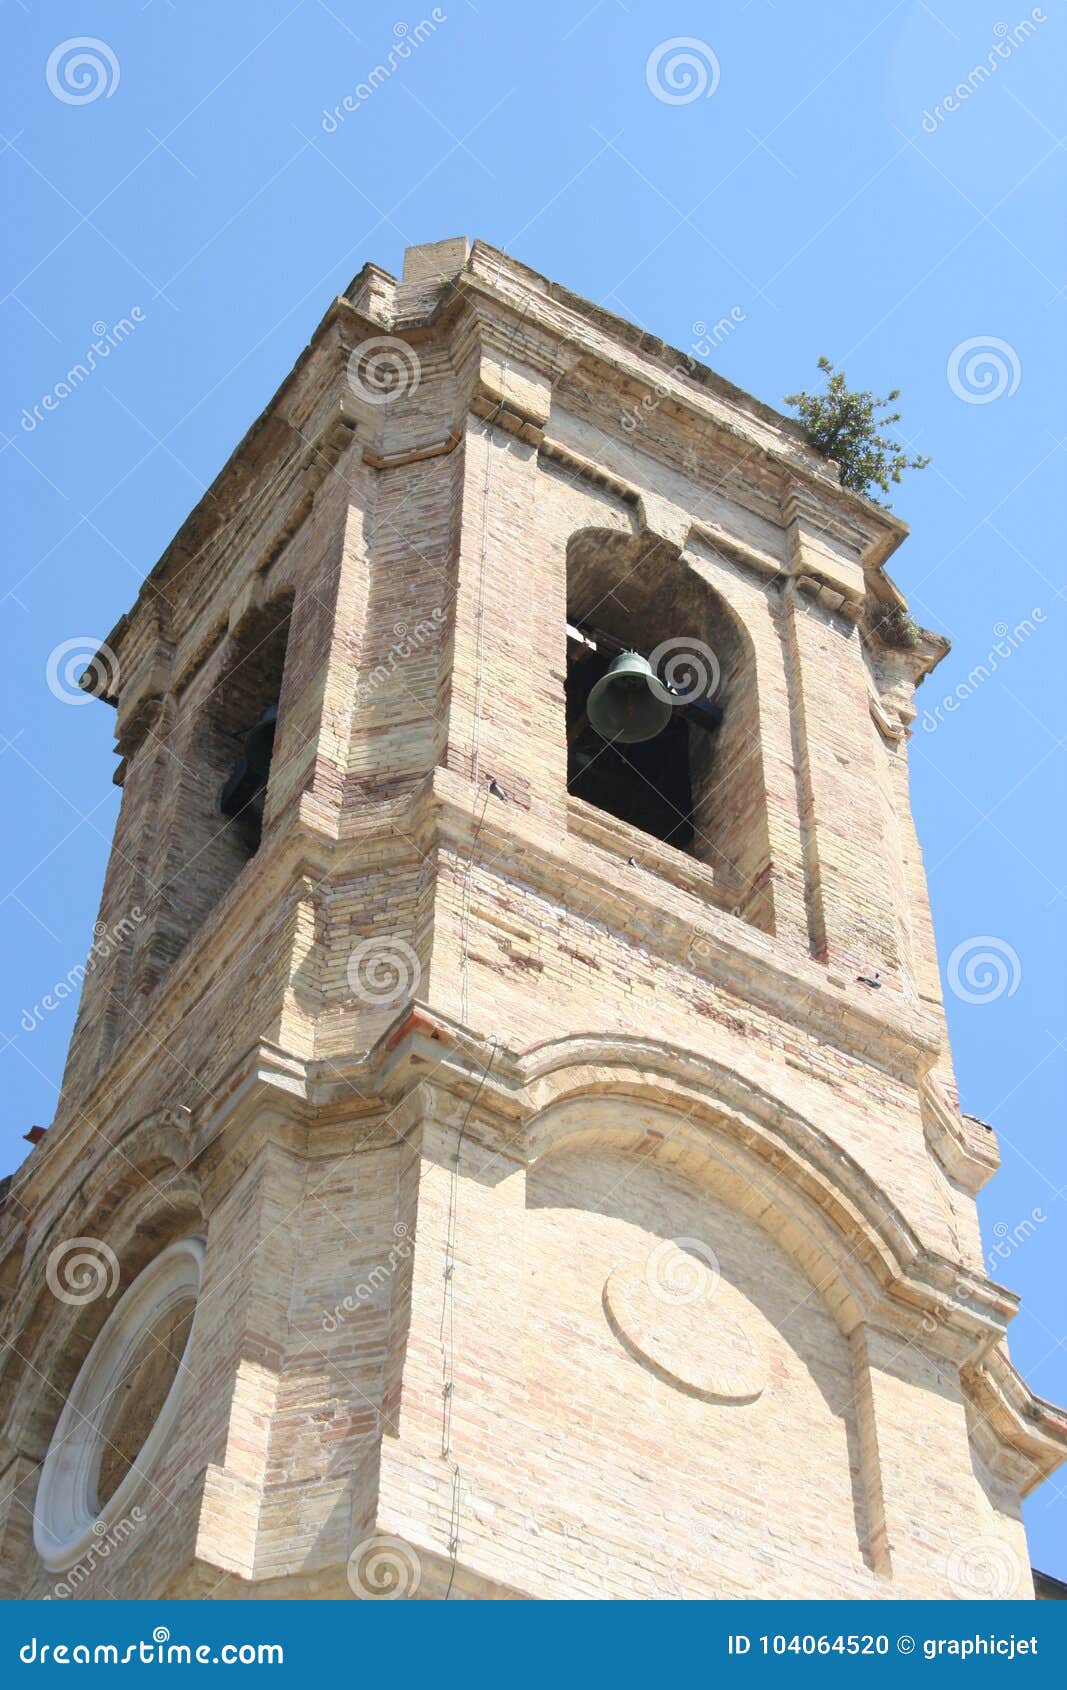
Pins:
x: 66, y: 1518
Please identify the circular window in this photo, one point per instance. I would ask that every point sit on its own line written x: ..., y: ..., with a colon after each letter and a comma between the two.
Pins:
x: 121, y: 1408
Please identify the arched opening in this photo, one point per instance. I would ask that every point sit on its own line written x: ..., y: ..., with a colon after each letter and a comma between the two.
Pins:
x: 213, y: 815
x: 697, y: 782
x: 240, y: 723
x: 667, y: 1330
x: 219, y: 815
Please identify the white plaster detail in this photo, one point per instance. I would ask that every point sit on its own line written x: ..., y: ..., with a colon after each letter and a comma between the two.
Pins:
x: 67, y: 1518
x: 702, y: 1345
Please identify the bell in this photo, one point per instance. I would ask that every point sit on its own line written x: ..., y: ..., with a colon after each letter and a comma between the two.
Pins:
x: 245, y: 793
x: 259, y: 744
x: 629, y: 703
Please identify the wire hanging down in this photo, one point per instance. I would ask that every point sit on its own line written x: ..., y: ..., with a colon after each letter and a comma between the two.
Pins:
x: 448, y: 1321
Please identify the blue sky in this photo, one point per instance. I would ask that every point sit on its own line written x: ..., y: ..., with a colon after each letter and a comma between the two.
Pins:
x: 819, y: 187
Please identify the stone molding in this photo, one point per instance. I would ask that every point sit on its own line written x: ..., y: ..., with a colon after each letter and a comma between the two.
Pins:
x: 426, y: 1067
x: 832, y: 1218
x: 426, y: 1072
x: 66, y: 1516
x: 489, y: 299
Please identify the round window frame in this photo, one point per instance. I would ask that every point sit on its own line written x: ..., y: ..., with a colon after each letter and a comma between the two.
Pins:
x: 66, y: 1516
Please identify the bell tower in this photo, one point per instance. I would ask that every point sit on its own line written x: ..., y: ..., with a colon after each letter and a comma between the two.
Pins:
x: 509, y: 1143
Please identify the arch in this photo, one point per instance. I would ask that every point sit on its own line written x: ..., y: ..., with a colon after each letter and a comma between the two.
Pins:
x: 206, y: 846
x: 710, y: 1157
x: 249, y: 682
x: 671, y: 1328
x: 699, y: 784
x: 820, y: 1203
x: 138, y: 1198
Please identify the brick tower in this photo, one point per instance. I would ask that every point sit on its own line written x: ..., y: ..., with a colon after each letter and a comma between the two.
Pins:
x: 495, y: 1157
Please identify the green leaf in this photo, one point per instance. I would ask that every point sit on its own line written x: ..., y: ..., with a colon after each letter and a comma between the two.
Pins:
x: 844, y: 426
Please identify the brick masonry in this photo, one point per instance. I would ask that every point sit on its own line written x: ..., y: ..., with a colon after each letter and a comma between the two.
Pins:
x: 579, y: 1220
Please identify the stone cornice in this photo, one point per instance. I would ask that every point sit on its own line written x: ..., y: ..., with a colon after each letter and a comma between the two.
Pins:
x: 969, y: 1157
x: 925, y: 1299
x: 618, y: 350
x: 728, y: 952
x: 491, y: 299
x: 425, y: 1067
x: 1019, y: 1419
x: 679, y: 920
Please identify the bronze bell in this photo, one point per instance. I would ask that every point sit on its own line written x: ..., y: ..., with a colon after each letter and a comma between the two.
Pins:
x: 259, y: 744
x: 244, y: 794
x: 630, y: 703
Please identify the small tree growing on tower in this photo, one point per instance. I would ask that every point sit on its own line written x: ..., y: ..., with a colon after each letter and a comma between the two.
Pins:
x: 845, y: 425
